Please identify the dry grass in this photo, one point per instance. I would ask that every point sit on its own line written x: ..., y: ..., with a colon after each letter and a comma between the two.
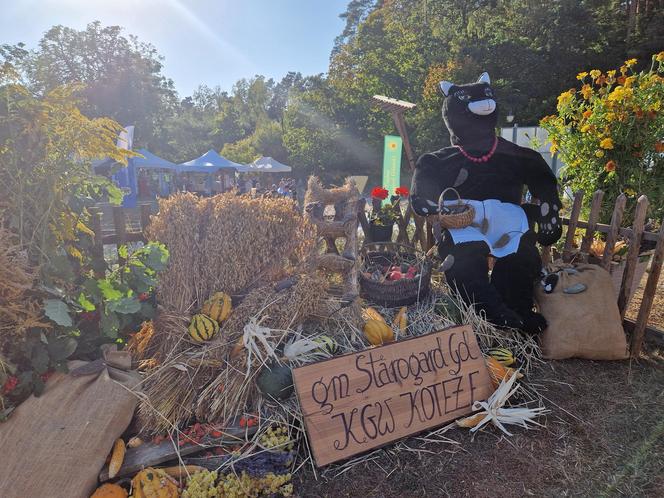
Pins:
x: 20, y: 306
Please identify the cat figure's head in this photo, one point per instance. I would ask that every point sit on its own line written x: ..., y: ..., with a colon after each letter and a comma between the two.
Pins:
x: 470, y: 111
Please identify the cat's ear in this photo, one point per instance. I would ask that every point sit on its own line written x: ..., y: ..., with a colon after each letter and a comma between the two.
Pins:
x: 445, y: 87
x: 484, y: 78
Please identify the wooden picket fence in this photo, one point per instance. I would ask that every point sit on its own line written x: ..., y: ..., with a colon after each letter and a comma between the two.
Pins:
x: 422, y: 236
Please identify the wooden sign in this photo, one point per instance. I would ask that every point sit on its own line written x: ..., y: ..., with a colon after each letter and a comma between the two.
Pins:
x: 360, y: 401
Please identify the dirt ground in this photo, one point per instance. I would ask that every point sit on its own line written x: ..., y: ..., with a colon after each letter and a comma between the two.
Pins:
x: 604, y: 436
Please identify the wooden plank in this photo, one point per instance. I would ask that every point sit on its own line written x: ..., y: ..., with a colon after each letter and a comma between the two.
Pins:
x: 361, y: 401
x: 362, y: 218
x: 652, y: 335
x: 120, y: 225
x: 401, y: 128
x: 648, y: 297
x: 612, y: 235
x: 573, y: 220
x: 98, y: 247
x: 623, y: 231
x: 148, y: 454
x: 632, y: 257
x: 146, y: 212
x: 595, y: 208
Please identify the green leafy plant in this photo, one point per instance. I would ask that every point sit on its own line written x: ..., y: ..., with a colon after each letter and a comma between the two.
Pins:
x: 610, y: 134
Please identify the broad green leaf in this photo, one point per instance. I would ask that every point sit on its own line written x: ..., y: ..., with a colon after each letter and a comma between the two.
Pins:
x: 109, y: 325
x: 85, y: 303
x: 126, y: 305
x: 123, y: 252
x: 58, y: 311
x: 61, y: 348
x: 109, y: 292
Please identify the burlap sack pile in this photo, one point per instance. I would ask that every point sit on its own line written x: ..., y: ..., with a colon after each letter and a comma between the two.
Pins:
x: 585, y: 325
x: 56, y: 445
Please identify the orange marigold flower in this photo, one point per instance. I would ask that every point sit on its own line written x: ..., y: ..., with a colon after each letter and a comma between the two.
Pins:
x: 587, y: 113
x: 660, y: 57
x: 606, y: 143
x: 586, y: 91
x: 630, y: 62
x: 659, y: 146
x: 594, y: 74
x: 610, y: 166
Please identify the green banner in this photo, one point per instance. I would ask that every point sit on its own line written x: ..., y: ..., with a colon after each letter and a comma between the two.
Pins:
x: 392, y: 163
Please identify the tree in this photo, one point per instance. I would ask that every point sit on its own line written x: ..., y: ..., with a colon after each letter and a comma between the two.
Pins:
x: 121, y: 76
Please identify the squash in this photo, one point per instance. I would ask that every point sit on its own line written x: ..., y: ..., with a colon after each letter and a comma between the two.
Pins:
x: 275, y: 381
x: 374, y: 315
x: 498, y: 371
x: 378, y: 332
x: 155, y: 483
x: 327, y: 344
x: 503, y: 355
x: 202, y: 328
x: 401, y: 319
x: 109, y: 490
x: 218, y: 307
x: 117, y: 457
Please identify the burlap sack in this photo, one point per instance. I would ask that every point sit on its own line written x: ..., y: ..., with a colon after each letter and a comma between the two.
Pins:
x: 585, y: 325
x: 56, y: 445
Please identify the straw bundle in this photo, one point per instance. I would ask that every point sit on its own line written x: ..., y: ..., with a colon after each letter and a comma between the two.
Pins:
x: 233, y: 390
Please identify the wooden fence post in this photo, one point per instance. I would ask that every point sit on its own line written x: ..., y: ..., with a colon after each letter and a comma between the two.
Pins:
x: 648, y: 296
x: 614, y: 230
x: 146, y: 211
x: 98, y: 248
x: 120, y: 223
x: 571, y: 228
x: 592, y: 224
x: 632, y: 258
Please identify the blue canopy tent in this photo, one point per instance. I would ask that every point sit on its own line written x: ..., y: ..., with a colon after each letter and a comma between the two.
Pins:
x: 154, y: 162
x: 211, y: 163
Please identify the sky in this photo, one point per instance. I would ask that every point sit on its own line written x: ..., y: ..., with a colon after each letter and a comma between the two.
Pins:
x: 212, y: 42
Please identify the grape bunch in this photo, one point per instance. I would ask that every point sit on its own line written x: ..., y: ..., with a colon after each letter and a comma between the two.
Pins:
x: 201, y: 485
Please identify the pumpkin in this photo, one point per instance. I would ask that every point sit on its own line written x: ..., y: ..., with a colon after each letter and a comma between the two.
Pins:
x: 155, y: 483
x: 110, y: 491
x: 327, y: 344
x: 275, y: 381
x: 218, y: 307
x: 202, y: 328
x: 378, y: 332
x: 117, y: 457
x: 503, y: 355
x: 401, y: 319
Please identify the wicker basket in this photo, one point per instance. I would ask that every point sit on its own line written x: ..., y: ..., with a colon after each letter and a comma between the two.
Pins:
x: 459, y: 215
x: 393, y: 293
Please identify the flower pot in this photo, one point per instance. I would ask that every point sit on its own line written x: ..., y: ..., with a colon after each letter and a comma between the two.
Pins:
x: 380, y: 233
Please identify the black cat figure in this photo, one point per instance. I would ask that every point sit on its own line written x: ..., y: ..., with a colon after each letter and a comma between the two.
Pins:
x: 490, y: 173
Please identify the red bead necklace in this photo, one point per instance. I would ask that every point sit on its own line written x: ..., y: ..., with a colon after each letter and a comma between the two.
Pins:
x: 483, y: 158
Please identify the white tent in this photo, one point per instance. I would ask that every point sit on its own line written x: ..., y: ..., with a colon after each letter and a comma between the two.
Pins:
x: 269, y: 165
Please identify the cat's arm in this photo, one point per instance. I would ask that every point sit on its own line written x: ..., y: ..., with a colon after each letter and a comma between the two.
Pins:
x: 543, y: 185
x: 428, y: 180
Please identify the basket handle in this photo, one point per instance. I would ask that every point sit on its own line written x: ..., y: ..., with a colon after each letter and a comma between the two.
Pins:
x: 441, y: 199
